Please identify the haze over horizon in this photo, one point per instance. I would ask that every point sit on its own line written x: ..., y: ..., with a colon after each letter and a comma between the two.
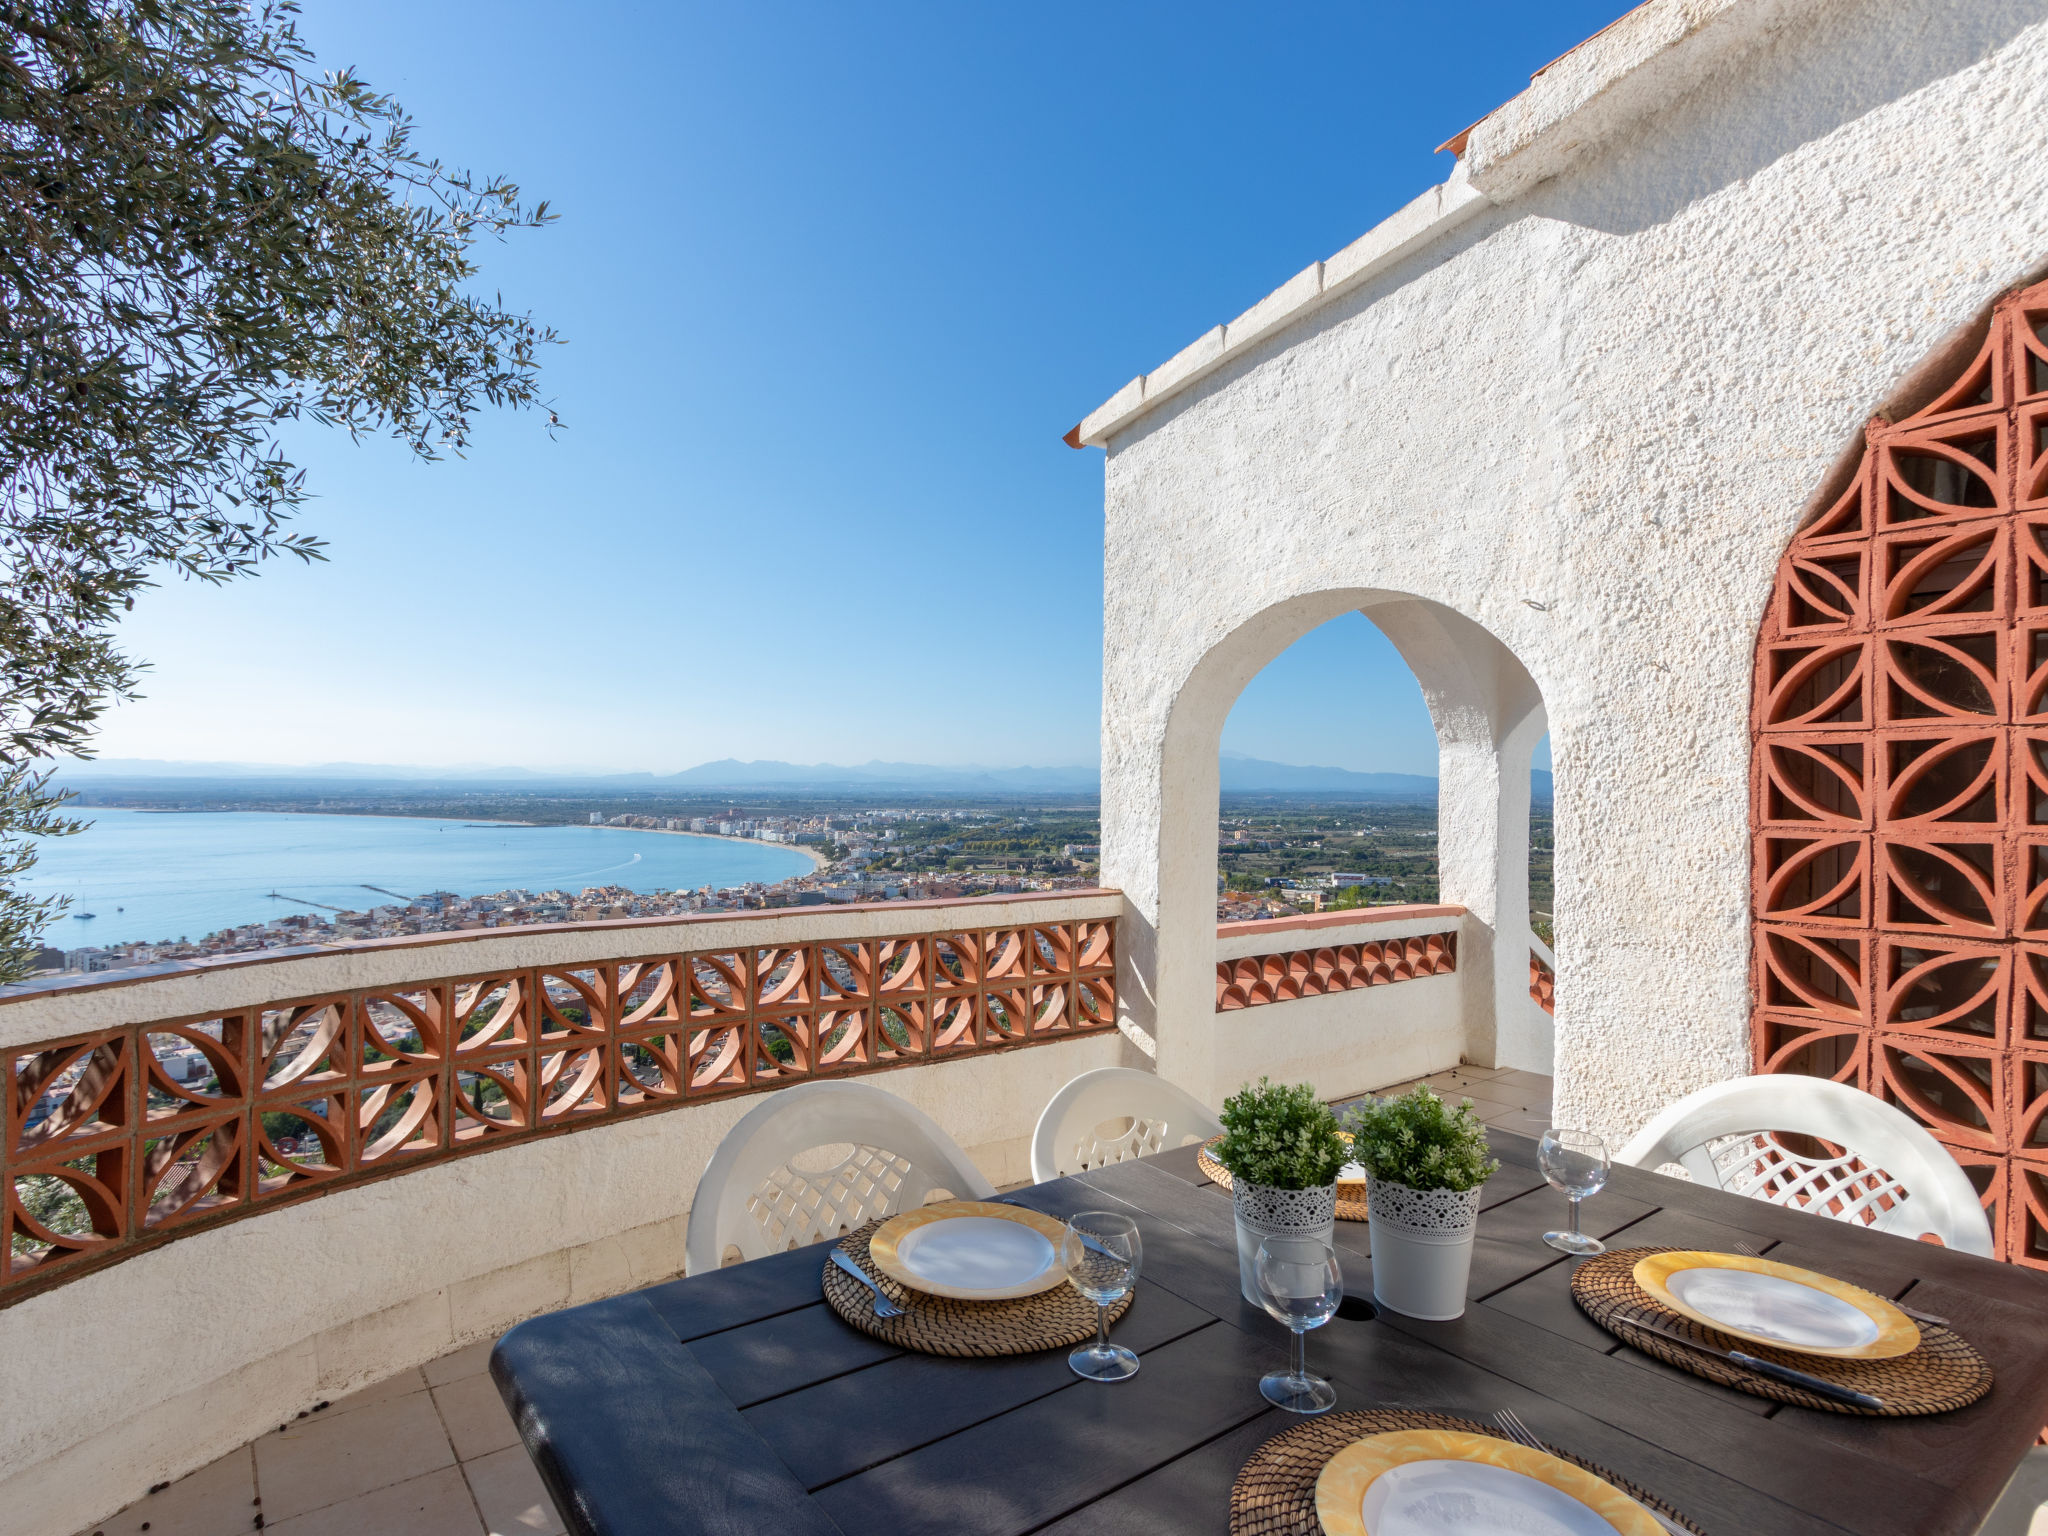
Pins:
x: 1240, y: 773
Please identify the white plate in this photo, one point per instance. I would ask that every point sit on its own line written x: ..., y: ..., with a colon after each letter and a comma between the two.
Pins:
x: 1776, y: 1308
x: 976, y: 1253
x: 1469, y: 1498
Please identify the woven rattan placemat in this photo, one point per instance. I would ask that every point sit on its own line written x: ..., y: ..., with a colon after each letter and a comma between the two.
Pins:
x: 1944, y: 1373
x: 1347, y: 1210
x: 1275, y: 1492
x: 939, y: 1325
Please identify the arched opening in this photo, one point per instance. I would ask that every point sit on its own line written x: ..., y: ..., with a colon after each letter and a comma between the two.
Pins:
x: 1328, y: 781
x: 1160, y: 835
x: 1899, y: 769
x: 1328, y: 877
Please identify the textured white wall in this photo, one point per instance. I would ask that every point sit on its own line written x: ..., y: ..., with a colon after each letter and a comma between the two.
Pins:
x: 1612, y: 396
x: 1345, y: 1043
x: 1234, y: 941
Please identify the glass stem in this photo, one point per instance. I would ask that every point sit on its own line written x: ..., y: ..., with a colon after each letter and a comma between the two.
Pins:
x: 1102, y: 1327
x: 1575, y: 1216
x: 1298, y: 1356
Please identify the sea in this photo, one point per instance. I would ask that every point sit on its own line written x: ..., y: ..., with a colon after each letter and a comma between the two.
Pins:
x: 148, y: 876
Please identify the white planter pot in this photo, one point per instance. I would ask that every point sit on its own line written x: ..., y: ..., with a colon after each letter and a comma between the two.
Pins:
x: 1421, y: 1248
x: 1264, y: 1212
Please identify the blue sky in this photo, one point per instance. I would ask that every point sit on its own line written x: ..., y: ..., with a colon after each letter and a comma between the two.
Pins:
x: 834, y: 280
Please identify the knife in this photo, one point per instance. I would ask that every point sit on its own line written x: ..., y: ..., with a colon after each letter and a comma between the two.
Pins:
x: 1770, y: 1368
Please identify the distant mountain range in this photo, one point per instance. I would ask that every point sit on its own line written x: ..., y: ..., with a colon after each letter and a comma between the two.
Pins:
x: 1240, y: 775
x: 730, y: 773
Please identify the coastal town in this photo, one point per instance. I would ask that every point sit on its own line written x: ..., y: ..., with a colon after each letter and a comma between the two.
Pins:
x: 890, y: 854
x: 1276, y: 857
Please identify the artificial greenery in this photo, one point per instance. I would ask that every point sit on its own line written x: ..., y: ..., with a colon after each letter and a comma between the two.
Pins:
x: 1421, y: 1141
x: 1283, y: 1138
x: 208, y: 241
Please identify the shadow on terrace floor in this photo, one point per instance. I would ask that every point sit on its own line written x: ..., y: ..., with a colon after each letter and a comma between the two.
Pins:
x: 430, y: 1452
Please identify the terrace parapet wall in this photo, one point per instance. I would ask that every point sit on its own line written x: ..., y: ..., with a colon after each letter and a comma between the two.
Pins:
x: 1349, y: 1001
x: 444, y: 1134
x: 144, y: 1106
x: 1289, y: 958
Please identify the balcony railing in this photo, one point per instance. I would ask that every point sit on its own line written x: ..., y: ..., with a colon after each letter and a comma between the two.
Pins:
x: 1281, y: 975
x: 118, y: 1138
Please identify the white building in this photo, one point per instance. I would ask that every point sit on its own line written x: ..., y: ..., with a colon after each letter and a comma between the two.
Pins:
x: 1551, y: 426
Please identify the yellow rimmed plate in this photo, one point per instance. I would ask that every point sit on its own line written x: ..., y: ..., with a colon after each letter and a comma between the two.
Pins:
x: 971, y: 1250
x: 1779, y: 1305
x: 1351, y: 1178
x: 1390, y: 1485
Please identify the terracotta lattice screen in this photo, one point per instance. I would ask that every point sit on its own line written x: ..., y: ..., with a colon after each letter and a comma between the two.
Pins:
x: 1900, y: 779
x: 1282, y: 977
x: 113, y: 1141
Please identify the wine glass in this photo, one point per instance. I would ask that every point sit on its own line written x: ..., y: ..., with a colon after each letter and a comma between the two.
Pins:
x: 1575, y: 1162
x: 1101, y: 1251
x: 1301, y: 1285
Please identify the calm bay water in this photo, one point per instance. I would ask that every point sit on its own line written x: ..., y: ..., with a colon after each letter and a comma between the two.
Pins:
x: 150, y: 875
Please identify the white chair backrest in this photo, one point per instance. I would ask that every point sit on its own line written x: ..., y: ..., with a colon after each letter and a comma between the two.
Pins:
x: 1108, y: 1115
x: 760, y: 1194
x: 1891, y: 1175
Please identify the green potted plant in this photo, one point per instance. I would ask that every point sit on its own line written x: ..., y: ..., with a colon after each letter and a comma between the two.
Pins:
x: 1283, y: 1152
x: 1425, y: 1162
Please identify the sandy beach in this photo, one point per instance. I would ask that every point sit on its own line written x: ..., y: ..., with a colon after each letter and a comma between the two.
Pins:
x: 818, y: 860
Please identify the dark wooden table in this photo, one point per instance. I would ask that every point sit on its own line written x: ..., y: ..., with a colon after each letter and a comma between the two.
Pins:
x: 737, y: 1402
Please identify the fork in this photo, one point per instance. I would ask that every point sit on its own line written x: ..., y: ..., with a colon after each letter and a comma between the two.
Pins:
x: 1913, y: 1313
x: 1511, y: 1425
x: 884, y: 1307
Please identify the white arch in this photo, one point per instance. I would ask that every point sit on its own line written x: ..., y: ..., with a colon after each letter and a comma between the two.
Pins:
x: 1159, y: 831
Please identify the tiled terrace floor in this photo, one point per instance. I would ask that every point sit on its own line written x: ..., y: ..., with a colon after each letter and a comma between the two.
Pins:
x: 1505, y: 1097
x: 432, y: 1452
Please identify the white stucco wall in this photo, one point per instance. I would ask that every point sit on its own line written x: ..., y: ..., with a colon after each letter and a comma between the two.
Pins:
x: 1585, y: 418
x: 1350, y: 1042
x: 1345, y: 1043
x: 1234, y: 941
x: 157, y: 1365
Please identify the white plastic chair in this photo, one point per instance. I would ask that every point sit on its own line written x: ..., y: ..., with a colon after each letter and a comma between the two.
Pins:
x: 1891, y: 1175
x: 1148, y: 1114
x: 761, y: 1196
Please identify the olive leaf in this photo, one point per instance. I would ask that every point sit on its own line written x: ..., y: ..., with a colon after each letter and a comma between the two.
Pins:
x: 206, y: 240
